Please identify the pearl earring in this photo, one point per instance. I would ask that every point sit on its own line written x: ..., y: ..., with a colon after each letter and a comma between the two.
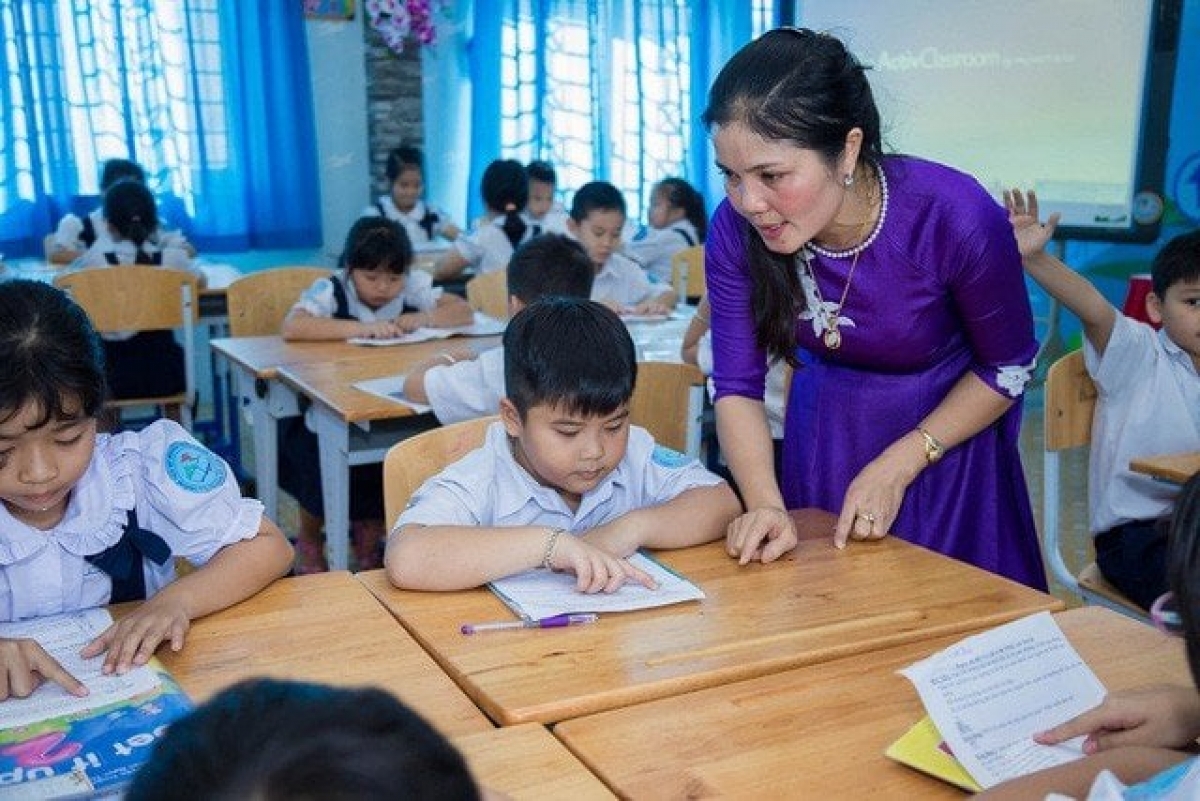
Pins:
x: 848, y: 180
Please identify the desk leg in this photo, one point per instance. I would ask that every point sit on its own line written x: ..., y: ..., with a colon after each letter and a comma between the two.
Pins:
x: 333, y: 436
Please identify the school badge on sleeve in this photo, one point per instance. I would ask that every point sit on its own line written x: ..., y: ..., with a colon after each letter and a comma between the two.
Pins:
x: 194, y: 468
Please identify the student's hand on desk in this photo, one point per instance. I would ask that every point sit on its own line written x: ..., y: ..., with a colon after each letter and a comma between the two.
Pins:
x: 649, y: 307
x: 380, y: 329
x: 761, y: 535
x: 614, y: 538
x: 595, y: 569
x: 1159, y: 716
x: 25, y: 666
x: 132, y: 640
x: 1032, y: 236
x: 411, y: 321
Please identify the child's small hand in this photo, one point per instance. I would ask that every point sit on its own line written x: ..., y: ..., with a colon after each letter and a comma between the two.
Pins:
x: 411, y: 321
x: 132, y: 640
x: 380, y: 329
x: 1031, y: 235
x: 620, y: 541
x: 650, y: 307
x: 596, y: 570
x: 25, y: 666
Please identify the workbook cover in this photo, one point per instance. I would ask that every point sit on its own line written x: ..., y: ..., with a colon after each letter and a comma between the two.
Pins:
x: 923, y: 748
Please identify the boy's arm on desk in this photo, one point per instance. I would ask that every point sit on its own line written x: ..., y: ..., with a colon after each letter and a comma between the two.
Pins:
x: 695, y: 516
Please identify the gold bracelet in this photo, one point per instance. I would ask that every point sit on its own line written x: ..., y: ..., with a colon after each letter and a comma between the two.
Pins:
x: 934, y: 449
x: 551, y: 541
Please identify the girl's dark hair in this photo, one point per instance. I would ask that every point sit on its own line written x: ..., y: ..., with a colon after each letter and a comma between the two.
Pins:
x: 403, y: 158
x: 119, y: 170
x: 377, y: 243
x: 505, y: 189
x: 682, y: 195
x: 1183, y: 567
x: 542, y: 172
x: 596, y: 196
x: 1179, y: 260
x: 52, y: 356
x: 569, y: 351
x: 130, y: 209
x: 806, y: 88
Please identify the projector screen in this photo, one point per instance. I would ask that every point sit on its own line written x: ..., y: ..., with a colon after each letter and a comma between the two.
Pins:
x: 1068, y: 97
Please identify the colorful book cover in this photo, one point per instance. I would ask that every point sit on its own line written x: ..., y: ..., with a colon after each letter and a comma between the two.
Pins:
x: 923, y: 748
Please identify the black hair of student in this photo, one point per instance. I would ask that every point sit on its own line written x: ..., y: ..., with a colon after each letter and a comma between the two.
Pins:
x: 119, y: 170
x: 275, y: 740
x: 550, y: 264
x: 596, y: 196
x: 542, y: 172
x: 568, y: 352
x: 52, y: 356
x: 403, y: 158
x: 682, y: 195
x: 805, y: 88
x: 377, y: 243
x: 505, y: 190
x: 1179, y: 260
x: 131, y: 210
x: 1183, y: 567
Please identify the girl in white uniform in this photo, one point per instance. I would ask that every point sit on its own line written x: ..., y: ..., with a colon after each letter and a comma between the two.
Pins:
x: 404, y: 202
x: 678, y: 220
x: 88, y: 519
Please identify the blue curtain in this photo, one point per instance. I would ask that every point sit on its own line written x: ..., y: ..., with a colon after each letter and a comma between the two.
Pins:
x: 211, y: 97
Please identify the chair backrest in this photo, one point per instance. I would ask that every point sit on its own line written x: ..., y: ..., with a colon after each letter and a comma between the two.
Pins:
x: 488, y: 293
x: 668, y: 401
x: 687, y: 273
x: 258, y: 302
x: 48, y: 245
x: 410, y: 462
x: 1070, y: 401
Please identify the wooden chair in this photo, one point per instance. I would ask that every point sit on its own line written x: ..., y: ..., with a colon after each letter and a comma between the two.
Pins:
x: 668, y: 401
x: 687, y: 273
x: 1070, y: 401
x: 410, y: 462
x: 138, y: 297
x: 488, y: 293
x: 258, y: 302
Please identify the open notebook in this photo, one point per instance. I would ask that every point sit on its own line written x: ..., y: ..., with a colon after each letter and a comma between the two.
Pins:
x: 483, y: 326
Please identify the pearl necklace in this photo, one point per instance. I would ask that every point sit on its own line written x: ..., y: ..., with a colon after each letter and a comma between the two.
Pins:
x: 866, y: 243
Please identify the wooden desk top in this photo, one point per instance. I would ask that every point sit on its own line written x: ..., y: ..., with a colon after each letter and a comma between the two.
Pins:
x: 1178, y: 467
x: 322, y: 628
x: 816, y: 605
x: 820, y: 731
x: 263, y: 356
x: 527, y: 762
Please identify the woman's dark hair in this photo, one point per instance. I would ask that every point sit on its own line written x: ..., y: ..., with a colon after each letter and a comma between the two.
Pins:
x: 377, y: 243
x: 52, y: 356
x: 1183, y: 567
x: 596, y: 196
x: 505, y: 189
x: 130, y: 209
x: 403, y: 158
x: 682, y: 195
x: 120, y: 170
x: 806, y: 88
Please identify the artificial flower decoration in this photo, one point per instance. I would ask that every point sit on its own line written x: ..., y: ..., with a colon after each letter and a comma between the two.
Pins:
x: 399, y: 20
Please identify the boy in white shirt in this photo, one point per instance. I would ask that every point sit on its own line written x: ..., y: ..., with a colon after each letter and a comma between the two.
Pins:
x: 544, y: 214
x: 563, y: 481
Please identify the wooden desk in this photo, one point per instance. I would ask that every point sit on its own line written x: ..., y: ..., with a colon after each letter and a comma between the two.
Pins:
x: 820, y: 731
x: 527, y: 762
x: 1176, y: 468
x: 322, y: 628
x: 817, y: 605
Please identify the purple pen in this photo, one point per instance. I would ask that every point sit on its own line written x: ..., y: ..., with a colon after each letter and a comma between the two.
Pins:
x: 557, y: 621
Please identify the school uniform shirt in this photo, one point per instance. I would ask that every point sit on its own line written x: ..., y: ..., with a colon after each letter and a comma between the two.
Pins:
x: 466, y: 389
x: 180, y: 490
x: 653, y: 248
x: 488, y: 488
x: 1148, y: 404
x: 1180, y: 782
x: 553, y: 221
x: 69, y: 234
x: 419, y: 294
x: 487, y: 248
x: 125, y: 252
x: 623, y: 281
x: 413, y: 220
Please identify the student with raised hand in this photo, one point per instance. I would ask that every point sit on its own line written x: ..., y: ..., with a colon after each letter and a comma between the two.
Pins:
x: 460, y: 384
x: 1149, y: 394
x: 278, y: 740
x: 1143, y: 737
x: 563, y: 480
x: 544, y: 213
x: 505, y: 190
x: 678, y: 220
x: 405, y: 202
x: 598, y: 220
x: 88, y: 519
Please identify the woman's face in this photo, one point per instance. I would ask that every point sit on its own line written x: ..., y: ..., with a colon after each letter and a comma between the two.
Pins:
x: 789, y: 194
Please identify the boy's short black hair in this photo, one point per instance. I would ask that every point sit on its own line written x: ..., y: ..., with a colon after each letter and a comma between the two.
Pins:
x: 596, y: 196
x: 542, y: 172
x: 568, y: 352
x: 550, y: 264
x: 278, y: 740
x: 1179, y: 260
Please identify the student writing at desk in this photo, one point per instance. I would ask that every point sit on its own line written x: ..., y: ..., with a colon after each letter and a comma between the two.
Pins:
x: 563, y: 481
x: 89, y: 519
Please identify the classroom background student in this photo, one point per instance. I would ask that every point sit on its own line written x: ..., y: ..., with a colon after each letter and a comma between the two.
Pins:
x: 678, y: 220
x: 1149, y: 395
x: 489, y: 246
x: 544, y: 213
x: 460, y: 384
x: 88, y: 519
x: 405, y: 202
x: 563, y: 481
